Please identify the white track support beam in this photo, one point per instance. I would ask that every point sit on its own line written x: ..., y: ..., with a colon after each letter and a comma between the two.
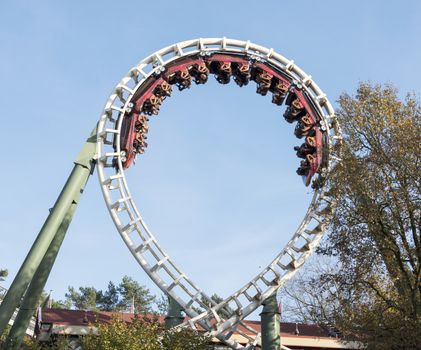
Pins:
x: 218, y: 319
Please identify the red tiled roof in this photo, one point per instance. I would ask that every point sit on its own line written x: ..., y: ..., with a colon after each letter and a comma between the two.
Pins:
x: 83, y: 318
x: 289, y: 329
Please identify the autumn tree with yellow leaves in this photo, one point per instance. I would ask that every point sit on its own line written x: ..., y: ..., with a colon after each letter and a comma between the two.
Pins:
x: 372, y: 290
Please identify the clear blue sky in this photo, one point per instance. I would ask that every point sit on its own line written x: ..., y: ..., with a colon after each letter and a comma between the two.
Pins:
x: 217, y: 185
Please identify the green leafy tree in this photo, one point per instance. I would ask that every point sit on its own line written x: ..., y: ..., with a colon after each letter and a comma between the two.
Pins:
x: 182, y: 339
x: 3, y: 274
x: 132, y: 292
x: 84, y: 299
x: 115, y: 298
x: 162, y: 304
x: 108, y: 300
x: 3, y: 336
x: 60, y: 304
x: 374, y: 294
x: 141, y: 334
x: 122, y: 335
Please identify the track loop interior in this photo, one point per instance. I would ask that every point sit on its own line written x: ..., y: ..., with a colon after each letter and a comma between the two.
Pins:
x: 219, y: 320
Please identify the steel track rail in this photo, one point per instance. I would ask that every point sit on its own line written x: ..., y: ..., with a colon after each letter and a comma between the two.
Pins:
x: 221, y: 319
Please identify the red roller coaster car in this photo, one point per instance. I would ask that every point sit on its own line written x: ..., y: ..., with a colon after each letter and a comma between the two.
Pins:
x: 148, y: 99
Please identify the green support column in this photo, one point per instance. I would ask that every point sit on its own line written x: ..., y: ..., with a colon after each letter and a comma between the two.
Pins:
x: 174, y: 316
x: 33, y: 294
x: 270, y: 323
x: 70, y: 193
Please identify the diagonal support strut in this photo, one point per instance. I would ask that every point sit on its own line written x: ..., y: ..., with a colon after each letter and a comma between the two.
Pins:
x: 37, y: 262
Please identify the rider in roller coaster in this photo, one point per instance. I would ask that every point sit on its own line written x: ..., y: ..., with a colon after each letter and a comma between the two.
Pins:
x: 148, y: 99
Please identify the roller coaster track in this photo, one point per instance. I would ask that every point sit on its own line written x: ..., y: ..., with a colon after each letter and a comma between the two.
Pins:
x: 121, y: 137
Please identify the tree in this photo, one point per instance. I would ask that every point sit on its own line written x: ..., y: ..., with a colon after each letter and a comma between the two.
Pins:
x: 60, y: 342
x: 162, y: 304
x: 84, y: 299
x: 115, y: 298
x: 46, y: 301
x: 3, y: 274
x: 132, y: 292
x: 308, y: 297
x: 142, y: 334
x: 182, y: 339
x: 213, y: 300
x: 3, y: 336
x: 108, y: 300
x: 374, y: 294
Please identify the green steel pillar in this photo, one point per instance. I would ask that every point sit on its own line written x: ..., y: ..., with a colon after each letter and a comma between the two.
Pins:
x: 33, y: 293
x: 83, y: 168
x: 270, y: 322
x: 174, y: 316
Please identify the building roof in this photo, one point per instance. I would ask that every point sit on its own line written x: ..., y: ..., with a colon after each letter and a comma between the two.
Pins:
x: 83, y: 318
x: 79, y: 322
